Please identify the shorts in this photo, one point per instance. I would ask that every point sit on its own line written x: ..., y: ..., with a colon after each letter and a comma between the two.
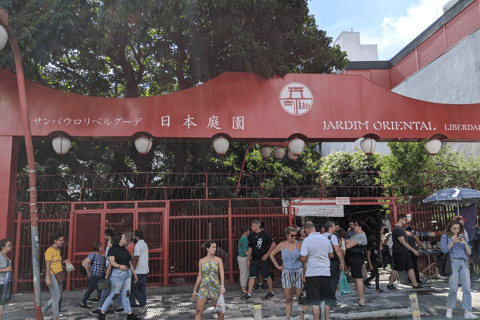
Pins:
x: 318, y: 290
x: 292, y: 278
x: 2, y: 303
x: 261, y: 265
x: 402, y: 261
x: 356, y: 265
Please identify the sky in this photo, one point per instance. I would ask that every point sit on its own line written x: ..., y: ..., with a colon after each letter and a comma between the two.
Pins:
x: 391, y: 24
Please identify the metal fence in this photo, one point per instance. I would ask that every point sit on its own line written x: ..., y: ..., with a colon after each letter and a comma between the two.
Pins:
x: 179, y: 212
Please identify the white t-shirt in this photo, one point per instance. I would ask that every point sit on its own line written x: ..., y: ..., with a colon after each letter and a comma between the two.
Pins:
x: 316, y: 248
x: 141, y: 250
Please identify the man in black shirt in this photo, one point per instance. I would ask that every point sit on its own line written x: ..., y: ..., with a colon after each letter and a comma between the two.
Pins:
x: 260, y: 244
x: 401, y: 256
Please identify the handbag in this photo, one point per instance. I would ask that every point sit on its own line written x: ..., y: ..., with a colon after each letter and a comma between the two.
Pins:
x: 302, y: 299
x: 104, y: 284
x: 61, y: 276
x: 444, y: 265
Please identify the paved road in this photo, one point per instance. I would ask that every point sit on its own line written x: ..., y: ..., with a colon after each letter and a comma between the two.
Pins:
x: 179, y: 306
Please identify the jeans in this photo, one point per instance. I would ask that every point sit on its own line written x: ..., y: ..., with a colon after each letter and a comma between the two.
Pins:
x: 54, y: 302
x: 139, y: 291
x: 334, y: 274
x: 374, y: 275
x: 120, y: 285
x: 459, y: 268
x: 92, y: 285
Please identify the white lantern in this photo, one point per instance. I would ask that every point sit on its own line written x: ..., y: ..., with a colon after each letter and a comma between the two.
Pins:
x: 265, y: 151
x: 296, y: 146
x: 291, y: 156
x: 61, y: 145
x: 368, y: 145
x: 220, y: 144
x: 279, y: 153
x: 433, y: 146
x: 3, y: 37
x: 143, y: 144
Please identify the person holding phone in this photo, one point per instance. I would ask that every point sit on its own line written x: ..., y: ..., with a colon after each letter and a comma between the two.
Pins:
x: 454, y: 243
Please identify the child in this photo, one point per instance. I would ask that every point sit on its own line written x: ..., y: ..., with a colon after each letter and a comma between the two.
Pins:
x: 372, y: 256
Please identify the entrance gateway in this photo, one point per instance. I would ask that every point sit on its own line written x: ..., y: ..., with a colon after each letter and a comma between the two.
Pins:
x: 241, y: 107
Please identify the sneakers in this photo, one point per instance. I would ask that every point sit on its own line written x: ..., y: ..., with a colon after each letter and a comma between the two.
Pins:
x: 84, y: 306
x: 119, y: 310
x: 142, y: 310
x: 93, y: 299
x: 470, y: 315
x: 391, y: 287
x: 95, y: 312
x: 101, y: 316
x: 379, y: 291
x: 131, y: 316
x: 449, y: 314
x: 261, y: 286
x: 366, y: 284
x: 269, y: 295
x: 246, y: 297
x: 418, y: 286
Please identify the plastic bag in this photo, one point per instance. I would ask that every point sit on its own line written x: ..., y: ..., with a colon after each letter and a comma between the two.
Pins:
x: 69, y: 267
x: 220, y: 305
x: 344, y: 288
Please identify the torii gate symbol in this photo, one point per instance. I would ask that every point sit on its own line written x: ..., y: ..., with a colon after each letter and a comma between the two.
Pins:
x: 296, y: 98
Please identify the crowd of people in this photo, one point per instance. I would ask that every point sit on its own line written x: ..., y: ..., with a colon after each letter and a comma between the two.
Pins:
x: 311, y: 263
x: 314, y: 259
x: 119, y: 272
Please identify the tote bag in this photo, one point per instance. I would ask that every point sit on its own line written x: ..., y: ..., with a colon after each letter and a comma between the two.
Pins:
x: 444, y: 265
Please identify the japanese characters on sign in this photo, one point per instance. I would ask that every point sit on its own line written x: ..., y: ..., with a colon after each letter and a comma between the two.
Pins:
x: 214, y: 122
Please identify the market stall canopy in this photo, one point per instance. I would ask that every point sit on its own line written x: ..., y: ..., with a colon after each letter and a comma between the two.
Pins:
x: 454, y: 196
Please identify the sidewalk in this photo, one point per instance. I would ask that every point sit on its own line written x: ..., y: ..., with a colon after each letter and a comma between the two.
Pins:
x: 166, y: 305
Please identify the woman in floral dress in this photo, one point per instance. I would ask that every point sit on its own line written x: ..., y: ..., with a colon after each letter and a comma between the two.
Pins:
x: 211, y: 287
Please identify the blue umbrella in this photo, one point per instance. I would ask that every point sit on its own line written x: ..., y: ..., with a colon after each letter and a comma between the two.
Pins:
x: 454, y: 196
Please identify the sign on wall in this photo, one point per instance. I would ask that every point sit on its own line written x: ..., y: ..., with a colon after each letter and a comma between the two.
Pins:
x: 318, y: 211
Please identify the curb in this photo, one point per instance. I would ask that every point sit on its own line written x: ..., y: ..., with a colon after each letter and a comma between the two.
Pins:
x: 382, y: 314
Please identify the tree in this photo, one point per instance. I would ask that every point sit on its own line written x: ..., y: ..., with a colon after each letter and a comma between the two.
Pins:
x: 414, y: 172
x: 146, y: 47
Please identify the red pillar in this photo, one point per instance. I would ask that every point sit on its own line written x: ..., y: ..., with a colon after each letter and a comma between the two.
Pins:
x: 8, y: 172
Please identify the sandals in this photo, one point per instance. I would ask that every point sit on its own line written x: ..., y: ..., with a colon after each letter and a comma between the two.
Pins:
x: 358, y: 304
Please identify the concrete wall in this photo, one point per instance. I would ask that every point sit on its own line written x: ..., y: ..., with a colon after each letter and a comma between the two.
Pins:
x: 454, y: 77
x: 350, y: 42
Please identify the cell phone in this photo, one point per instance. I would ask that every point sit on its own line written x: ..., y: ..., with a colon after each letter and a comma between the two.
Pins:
x: 461, y: 236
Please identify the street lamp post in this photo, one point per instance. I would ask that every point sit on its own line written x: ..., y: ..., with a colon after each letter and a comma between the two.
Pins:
x: 31, y: 164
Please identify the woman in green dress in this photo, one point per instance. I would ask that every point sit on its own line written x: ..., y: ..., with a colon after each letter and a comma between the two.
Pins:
x: 211, y: 285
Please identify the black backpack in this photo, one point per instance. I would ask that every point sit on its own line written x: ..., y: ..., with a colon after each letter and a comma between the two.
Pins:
x: 335, y: 256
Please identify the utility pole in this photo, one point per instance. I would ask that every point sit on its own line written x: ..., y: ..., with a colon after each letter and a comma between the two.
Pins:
x: 31, y: 164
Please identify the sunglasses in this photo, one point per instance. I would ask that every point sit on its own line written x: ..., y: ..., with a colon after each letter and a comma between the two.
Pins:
x: 294, y: 235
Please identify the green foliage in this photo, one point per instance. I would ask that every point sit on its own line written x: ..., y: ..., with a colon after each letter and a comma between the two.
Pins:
x: 410, y: 168
x: 151, y: 47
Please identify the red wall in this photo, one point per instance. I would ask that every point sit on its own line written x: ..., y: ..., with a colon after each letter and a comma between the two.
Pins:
x: 437, y: 44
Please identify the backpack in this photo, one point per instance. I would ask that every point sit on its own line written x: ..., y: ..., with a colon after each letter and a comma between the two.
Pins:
x: 82, y: 267
x: 335, y: 256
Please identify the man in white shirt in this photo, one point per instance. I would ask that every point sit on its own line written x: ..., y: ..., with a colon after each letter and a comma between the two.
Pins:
x: 140, y: 263
x: 317, y: 252
x: 337, y: 262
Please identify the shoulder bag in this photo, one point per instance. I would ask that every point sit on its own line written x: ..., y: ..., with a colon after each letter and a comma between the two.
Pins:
x: 444, y: 265
x: 61, y: 276
x: 104, y: 284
